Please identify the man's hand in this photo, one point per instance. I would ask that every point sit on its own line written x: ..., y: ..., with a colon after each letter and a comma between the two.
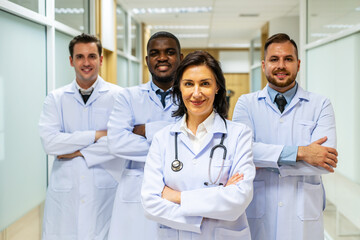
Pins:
x: 171, y: 195
x: 235, y: 179
x: 318, y: 155
x: 139, y: 130
x: 99, y: 134
x: 70, y: 155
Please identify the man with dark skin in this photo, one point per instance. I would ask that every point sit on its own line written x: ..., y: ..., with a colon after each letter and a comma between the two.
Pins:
x: 139, y: 112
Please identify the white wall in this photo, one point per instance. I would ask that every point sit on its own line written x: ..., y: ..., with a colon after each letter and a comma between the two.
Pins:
x: 333, y: 71
x: 234, y: 61
x: 288, y: 25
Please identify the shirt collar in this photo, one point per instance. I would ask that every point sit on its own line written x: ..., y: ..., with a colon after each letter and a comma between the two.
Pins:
x: 89, y: 90
x: 289, y: 94
x: 203, y: 127
x: 155, y: 88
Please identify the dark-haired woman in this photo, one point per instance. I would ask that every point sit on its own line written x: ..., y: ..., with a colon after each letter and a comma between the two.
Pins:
x: 199, y: 172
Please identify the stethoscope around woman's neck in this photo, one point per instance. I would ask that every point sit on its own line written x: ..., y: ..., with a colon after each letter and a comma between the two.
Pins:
x: 177, y: 165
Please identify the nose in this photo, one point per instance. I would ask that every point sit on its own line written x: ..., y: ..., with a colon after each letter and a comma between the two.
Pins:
x: 86, y: 61
x: 197, y: 91
x: 281, y: 64
x: 163, y: 56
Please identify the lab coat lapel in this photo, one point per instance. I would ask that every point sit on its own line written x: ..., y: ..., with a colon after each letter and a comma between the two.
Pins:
x: 98, y: 91
x: 300, y: 95
x: 264, y: 96
x: 218, y: 128
x: 152, y: 94
x: 71, y: 89
x: 182, y: 137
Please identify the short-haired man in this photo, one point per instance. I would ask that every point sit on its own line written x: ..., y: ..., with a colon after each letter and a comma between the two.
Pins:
x: 294, y: 144
x: 73, y: 127
x: 139, y: 112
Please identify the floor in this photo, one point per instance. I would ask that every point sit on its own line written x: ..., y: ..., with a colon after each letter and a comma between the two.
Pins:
x: 346, y: 230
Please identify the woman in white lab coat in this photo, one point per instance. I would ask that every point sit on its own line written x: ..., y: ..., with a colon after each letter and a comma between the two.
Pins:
x: 190, y: 194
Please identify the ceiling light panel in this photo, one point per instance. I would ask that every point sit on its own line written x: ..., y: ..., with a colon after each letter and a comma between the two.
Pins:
x: 180, y: 27
x: 171, y: 10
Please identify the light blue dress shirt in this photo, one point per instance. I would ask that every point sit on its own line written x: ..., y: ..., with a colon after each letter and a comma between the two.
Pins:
x: 289, y: 153
x: 155, y: 88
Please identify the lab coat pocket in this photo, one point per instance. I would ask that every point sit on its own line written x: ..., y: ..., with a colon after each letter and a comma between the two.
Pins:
x: 131, y: 185
x: 102, y: 179
x: 100, y: 118
x: 310, y: 201
x: 222, y: 233
x: 256, y: 209
x: 304, y: 131
x: 165, y: 232
x: 61, y: 176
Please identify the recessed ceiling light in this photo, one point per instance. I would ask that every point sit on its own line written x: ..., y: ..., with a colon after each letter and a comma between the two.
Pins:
x: 69, y: 10
x: 338, y: 26
x: 320, y: 34
x: 171, y: 10
x: 198, y: 35
x: 178, y: 27
x: 357, y: 9
x: 229, y: 45
x: 248, y: 15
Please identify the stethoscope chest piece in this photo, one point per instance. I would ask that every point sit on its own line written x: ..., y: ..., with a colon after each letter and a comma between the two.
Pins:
x: 176, y: 165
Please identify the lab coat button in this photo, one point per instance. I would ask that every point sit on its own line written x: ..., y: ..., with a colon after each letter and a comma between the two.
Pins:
x: 281, y: 120
x: 194, y: 161
x: 82, y: 201
x: 281, y: 204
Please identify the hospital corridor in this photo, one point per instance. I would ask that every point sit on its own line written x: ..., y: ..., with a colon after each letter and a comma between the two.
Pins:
x: 86, y: 85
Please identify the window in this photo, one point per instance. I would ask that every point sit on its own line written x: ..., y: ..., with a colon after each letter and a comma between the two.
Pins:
x: 337, y: 16
x: 73, y: 13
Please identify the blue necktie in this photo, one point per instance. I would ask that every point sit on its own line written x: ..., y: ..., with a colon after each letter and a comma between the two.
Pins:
x: 280, y: 101
x: 163, y: 96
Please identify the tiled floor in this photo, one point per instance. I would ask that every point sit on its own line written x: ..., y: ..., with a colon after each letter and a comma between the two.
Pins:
x: 346, y: 228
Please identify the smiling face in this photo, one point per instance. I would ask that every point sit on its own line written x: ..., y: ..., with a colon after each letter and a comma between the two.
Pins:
x: 281, y: 66
x: 198, y: 88
x: 86, y: 62
x: 163, y: 59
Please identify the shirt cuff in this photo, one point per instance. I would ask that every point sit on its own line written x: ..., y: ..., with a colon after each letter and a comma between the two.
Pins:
x: 288, y: 155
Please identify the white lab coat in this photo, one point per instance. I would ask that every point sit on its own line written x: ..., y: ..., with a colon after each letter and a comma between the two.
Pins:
x: 134, y: 106
x: 289, y: 204
x: 206, y: 212
x: 80, y: 194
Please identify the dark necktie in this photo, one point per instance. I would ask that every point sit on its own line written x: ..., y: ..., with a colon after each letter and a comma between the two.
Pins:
x: 280, y: 101
x: 85, y: 96
x: 163, y: 96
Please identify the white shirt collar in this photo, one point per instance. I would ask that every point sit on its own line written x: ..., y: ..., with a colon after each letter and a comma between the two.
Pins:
x: 203, y: 129
x: 89, y: 90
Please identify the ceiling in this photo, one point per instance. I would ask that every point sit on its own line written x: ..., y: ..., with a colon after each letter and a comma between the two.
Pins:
x: 222, y: 27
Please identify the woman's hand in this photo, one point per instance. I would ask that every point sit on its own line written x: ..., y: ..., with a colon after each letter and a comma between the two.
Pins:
x: 234, y: 179
x: 171, y: 195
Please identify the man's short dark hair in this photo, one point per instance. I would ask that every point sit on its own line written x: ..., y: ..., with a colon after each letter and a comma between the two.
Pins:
x: 201, y: 58
x: 164, y: 34
x: 84, y: 38
x: 280, y: 38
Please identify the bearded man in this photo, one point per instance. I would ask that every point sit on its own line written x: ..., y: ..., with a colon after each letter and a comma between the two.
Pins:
x: 294, y: 144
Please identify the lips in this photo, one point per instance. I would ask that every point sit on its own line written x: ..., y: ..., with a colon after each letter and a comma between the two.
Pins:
x: 163, y: 68
x: 86, y: 70
x: 281, y: 74
x: 197, y: 103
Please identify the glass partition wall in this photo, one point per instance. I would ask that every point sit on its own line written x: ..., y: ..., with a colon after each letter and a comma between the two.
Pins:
x: 128, y: 49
